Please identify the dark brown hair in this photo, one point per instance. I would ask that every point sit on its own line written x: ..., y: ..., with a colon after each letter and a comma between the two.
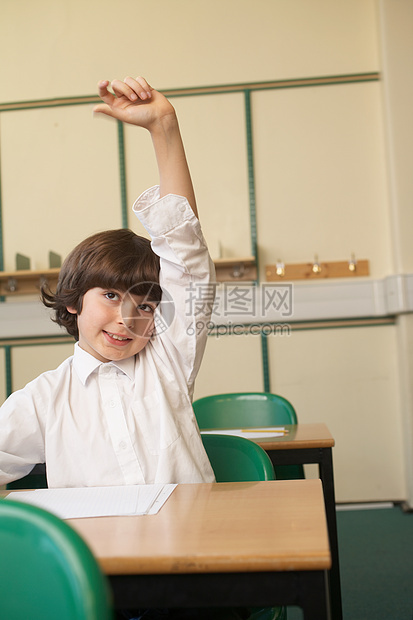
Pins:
x: 114, y: 259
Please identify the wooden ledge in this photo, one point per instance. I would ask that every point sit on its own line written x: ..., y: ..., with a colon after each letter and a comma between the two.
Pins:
x: 26, y: 281
x: 29, y: 281
x: 236, y: 269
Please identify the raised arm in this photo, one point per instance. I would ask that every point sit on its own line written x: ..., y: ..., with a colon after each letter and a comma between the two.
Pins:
x: 137, y: 103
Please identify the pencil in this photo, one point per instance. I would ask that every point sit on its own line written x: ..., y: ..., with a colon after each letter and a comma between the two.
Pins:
x: 264, y: 430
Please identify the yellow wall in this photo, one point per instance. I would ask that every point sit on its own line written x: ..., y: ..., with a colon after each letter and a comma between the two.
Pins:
x: 323, y: 179
x: 61, y: 48
x: 396, y: 23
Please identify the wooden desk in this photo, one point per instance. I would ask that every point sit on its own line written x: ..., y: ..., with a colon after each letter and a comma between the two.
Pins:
x: 235, y: 544
x: 300, y: 437
x: 305, y: 444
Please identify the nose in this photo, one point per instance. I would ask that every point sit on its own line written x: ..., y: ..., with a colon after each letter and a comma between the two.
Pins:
x: 127, y: 312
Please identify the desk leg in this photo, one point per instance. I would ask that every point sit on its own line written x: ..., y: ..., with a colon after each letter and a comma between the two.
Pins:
x: 327, y: 478
x: 324, y: 458
x: 314, y: 599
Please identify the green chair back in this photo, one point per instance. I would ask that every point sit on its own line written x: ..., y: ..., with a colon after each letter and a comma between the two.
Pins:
x: 243, y: 409
x: 36, y: 479
x: 46, y: 569
x: 235, y: 459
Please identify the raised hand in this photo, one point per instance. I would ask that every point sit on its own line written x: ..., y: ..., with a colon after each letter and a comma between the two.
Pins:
x: 133, y: 101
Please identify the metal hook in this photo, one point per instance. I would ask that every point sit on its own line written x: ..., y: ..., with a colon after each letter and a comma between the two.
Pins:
x: 316, y: 265
x: 352, y: 263
x: 238, y: 270
x: 11, y: 285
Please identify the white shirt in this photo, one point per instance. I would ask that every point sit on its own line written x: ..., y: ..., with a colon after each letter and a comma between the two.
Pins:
x: 126, y: 422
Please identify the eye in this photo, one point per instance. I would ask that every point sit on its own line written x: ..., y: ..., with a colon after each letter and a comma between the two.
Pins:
x: 146, y: 308
x: 111, y: 296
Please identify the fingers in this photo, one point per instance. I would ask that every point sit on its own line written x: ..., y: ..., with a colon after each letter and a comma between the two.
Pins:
x: 132, y: 89
x: 104, y: 94
x: 140, y: 86
x: 125, y: 92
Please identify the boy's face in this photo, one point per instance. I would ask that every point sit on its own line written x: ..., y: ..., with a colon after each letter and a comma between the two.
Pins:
x: 114, y: 325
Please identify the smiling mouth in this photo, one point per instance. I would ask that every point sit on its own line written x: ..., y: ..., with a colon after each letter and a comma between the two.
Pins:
x: 118, y: 338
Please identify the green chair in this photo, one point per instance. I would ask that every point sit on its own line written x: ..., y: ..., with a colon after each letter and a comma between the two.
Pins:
x: 235, y: 459
x: 36, y: 479
x: 243, y: 409
x: 47, y: 570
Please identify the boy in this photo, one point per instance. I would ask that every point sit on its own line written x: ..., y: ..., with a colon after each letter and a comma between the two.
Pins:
x: 119, y: 410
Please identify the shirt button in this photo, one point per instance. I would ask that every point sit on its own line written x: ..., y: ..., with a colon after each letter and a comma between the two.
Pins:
x: 122, y: 445
x: 112, y: 403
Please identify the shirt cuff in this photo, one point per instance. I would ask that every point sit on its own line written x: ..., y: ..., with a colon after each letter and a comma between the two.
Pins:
x: 160, y: 215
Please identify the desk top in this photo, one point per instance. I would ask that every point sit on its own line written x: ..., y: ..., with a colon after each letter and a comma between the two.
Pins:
x: 300, y: 436
x: 226, y: 527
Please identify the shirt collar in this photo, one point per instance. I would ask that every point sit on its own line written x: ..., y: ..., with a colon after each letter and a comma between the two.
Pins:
x: 85, y: 364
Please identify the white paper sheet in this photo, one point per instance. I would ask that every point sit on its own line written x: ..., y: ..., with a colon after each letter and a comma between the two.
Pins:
x: 250, y: 433
x: 77, y: 503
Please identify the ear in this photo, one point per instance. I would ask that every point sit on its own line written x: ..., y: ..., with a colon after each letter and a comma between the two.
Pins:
x: 71, y: 310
